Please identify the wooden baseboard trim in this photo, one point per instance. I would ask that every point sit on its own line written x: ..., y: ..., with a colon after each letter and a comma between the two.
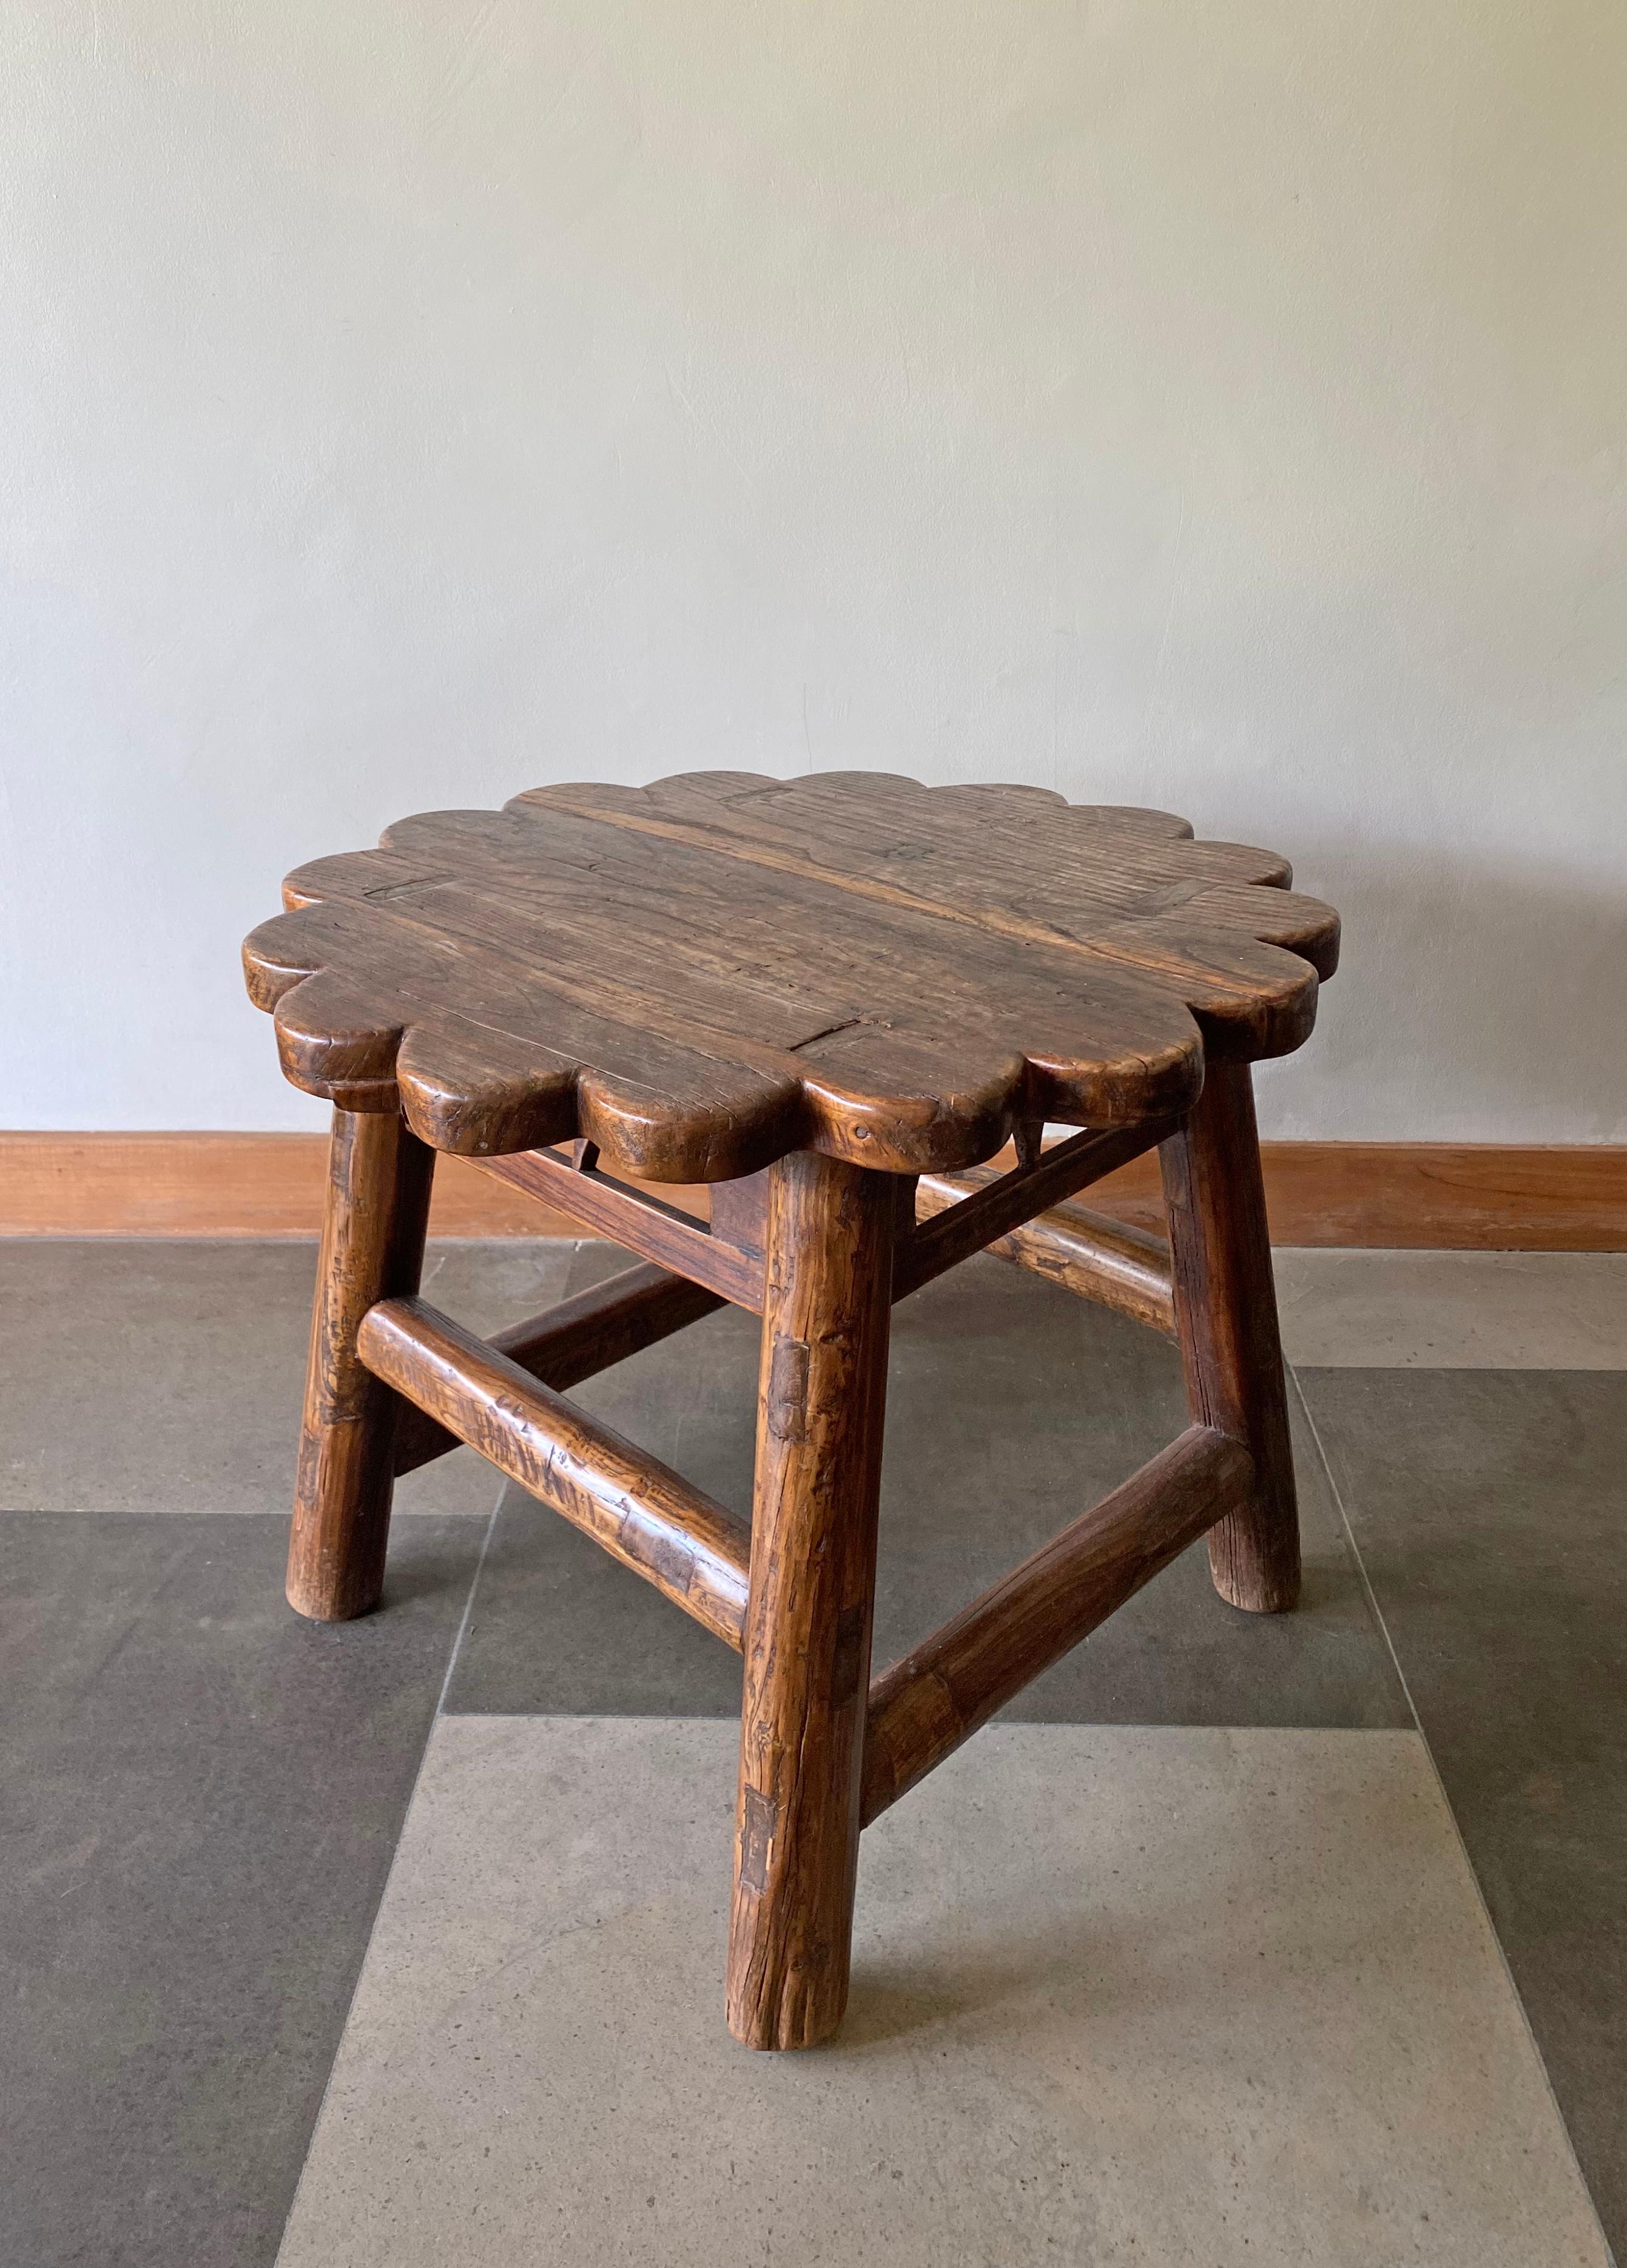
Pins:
x: 1470, y: 1197
x: 1465, y: 1197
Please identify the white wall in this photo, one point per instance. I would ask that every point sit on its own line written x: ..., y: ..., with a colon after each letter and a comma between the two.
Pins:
x: 1215, y: 405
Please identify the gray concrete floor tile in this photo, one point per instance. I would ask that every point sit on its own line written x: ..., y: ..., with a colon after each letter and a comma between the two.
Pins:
x: 1012, y: 1406
x: 201, y: 1799
x: 154, y: 1375
x: 1179, y: 1996
x: 203, y: 1790
x: 1458, y: 1310
x: 1491, y: 1511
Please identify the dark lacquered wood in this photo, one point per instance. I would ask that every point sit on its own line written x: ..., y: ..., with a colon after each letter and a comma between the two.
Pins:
x: 820, y: 1410
x: 830, y: 1000
x: 739, y: 1215
x: 643, y: 1512
x: 927, y: 1703
x: 701, y: 975
x: 377, y: 1205
x: 952, y: 1233
x: 1086, y: 1253
x: 1225, y: 1318
x: 574, y: 1341
x: 658, y: 1233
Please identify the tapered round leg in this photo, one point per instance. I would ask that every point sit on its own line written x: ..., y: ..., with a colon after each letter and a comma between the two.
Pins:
x: 820, y: 1409
x: 372, y: 1249
x: 1225, y: 1315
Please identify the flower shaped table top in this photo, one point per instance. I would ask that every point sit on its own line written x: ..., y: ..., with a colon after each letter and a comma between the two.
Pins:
x: 701, y: 975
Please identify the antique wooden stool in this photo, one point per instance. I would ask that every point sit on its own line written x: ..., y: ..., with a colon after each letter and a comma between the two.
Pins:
x: 832, y: 998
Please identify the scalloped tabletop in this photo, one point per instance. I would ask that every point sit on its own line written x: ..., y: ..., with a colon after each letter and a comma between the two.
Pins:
x: 702, y: 974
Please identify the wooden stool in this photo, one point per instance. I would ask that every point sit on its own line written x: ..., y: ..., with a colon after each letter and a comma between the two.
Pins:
x: 832, y: 998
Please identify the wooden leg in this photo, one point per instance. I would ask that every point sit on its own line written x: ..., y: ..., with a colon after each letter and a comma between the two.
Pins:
x: 372, y: 1249
x: 820, y: 1407
x: 1225, y: 1317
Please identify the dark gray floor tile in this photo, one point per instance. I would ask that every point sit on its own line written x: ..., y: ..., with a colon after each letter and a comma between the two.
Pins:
x: 165, y: 1374
x: 1491, y: 1510
x: 558, y: 1626
x: 1012, y: 1407
x: 201, y: 1793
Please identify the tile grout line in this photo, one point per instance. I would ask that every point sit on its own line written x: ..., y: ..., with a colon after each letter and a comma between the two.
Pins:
x: 455, y: 1649
x: 1366, y: 1581
x: 1474, y: 1875
x: 461, y: 1632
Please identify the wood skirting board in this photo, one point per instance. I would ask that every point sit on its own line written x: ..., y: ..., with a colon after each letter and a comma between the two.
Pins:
x: 1466, y: 1195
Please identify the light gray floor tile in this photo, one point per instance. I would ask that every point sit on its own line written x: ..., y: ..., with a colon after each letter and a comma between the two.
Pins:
x: 165, y: 1374
x: 1122, y: 1996
x: 1454, y: 1310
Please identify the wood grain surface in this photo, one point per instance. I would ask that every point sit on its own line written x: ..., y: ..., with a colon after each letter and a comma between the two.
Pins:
x: 378, y: 1181
x: 1464, y: 1197
x: 573, y: 1341
x: 701, y: 975
x: 1226, y: 1323
x: 1088, y: 1253
x: 820, y: 1404
x: 645, y: 1514
x: 992, y: 1206
x: 597, y: 1204
x: 925, y: 1705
